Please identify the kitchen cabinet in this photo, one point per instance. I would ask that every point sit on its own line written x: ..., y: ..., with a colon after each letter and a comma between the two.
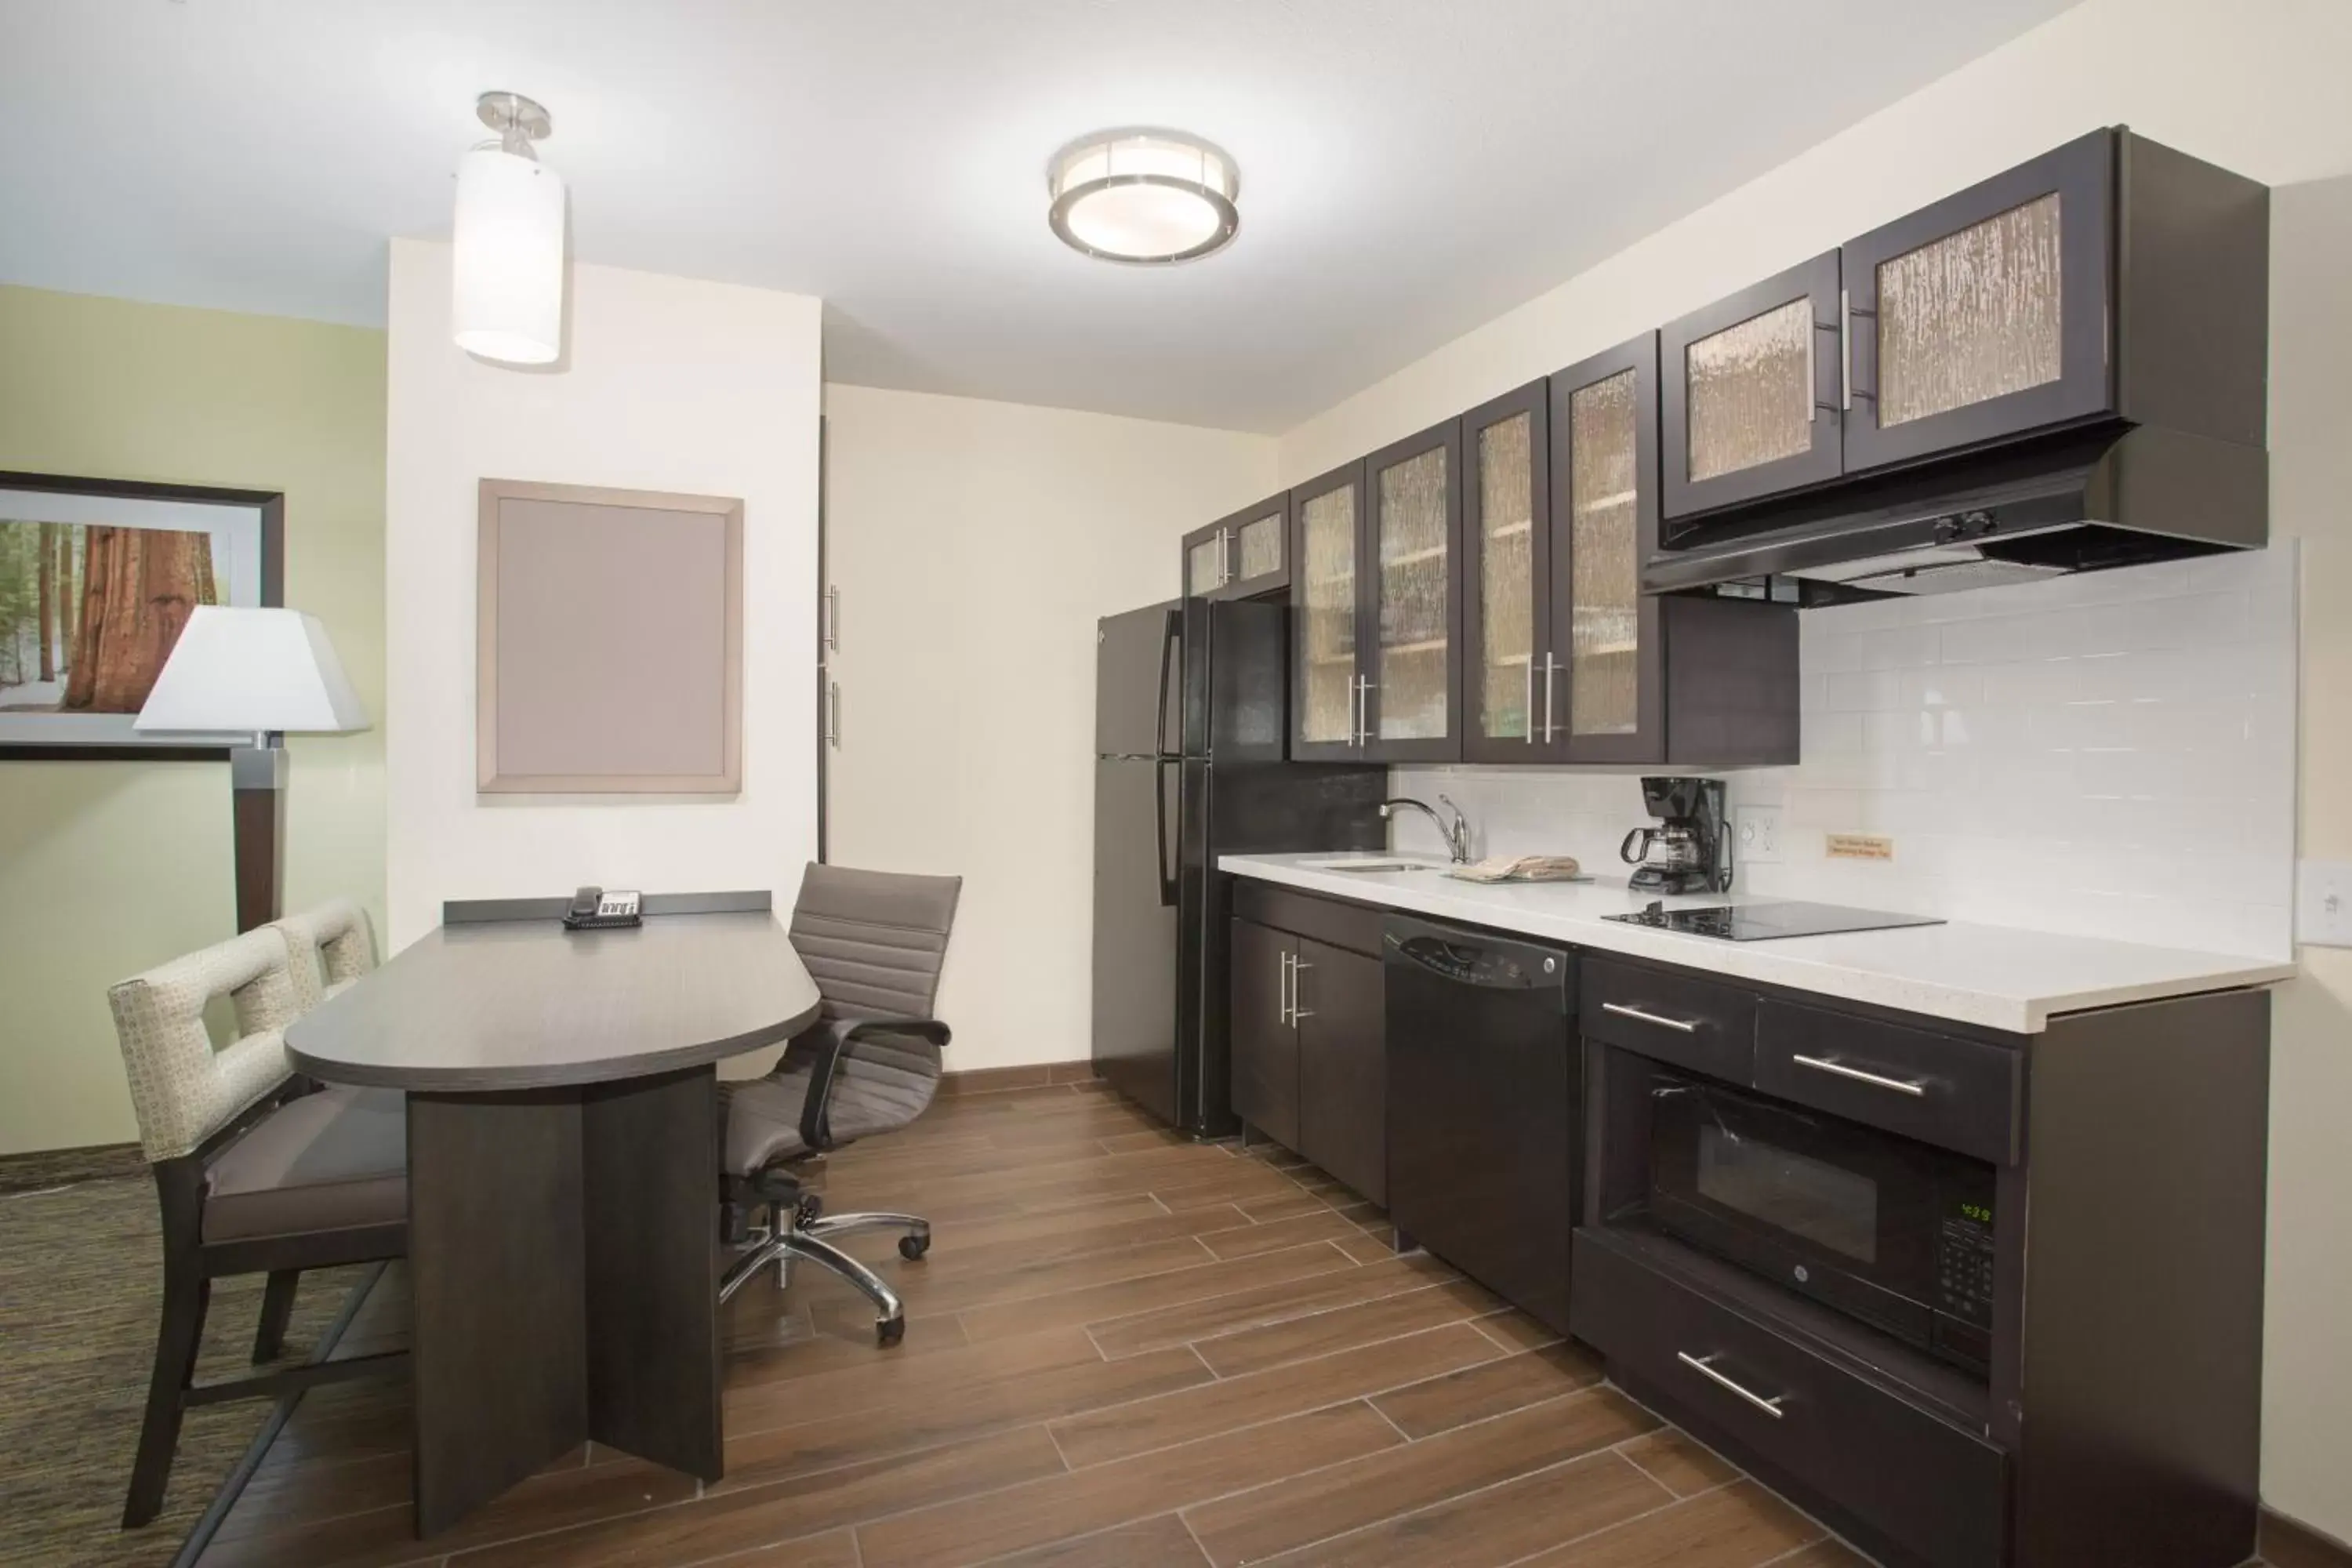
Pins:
x: 1567, y: 660
x: 2109, y: 279
x: 1309, y: 1055
x: 1378, y: 645
x: 1241, y: 556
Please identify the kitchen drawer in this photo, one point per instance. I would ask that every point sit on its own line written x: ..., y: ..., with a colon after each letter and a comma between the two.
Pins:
x: 1932, y: 1489
x: 1356, y: 927
x: 1672, y: 1016
x: 1954, y: 1093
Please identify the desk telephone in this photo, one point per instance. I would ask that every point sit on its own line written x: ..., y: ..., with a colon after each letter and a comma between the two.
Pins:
x: 594, y: 909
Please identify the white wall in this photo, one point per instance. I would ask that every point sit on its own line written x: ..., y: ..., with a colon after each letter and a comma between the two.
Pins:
x: 2256, y: 86
x: 667, y: 384
x: 2106, y: 755
x: 975, y: 544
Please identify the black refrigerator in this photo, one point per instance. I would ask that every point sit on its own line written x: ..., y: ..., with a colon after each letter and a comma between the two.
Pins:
x: 1191, y: 732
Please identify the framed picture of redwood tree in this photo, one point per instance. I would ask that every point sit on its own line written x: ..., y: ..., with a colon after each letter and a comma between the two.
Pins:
x: 97, y: 578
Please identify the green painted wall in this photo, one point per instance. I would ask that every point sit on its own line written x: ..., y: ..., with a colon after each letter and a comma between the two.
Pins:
x: 107, y: 867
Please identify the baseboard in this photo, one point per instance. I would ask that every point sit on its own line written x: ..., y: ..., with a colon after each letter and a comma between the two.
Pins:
x: 1033, y: 1075
x: 2284, y: 1543
x: 56, y: 1167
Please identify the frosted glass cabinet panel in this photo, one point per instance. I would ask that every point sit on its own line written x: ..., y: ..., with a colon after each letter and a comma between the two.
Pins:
x: 1506, y: 571
x: 1752, y: 390
x: 1988, y: 314
x: 1415, y: 537
x: 1323, y: 593
x: 1971, y: 316
x: 1604, y: 552
x: 1241, y: 556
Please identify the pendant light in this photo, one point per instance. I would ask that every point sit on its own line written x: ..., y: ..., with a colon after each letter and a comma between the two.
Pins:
x: 507, y: 295
x: 1145, y: 196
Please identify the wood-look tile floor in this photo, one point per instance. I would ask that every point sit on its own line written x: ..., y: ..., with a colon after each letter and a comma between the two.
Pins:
x: 1123, y: 1349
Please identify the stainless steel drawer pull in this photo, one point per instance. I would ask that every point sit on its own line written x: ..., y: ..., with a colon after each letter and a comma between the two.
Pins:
x: 1703, y: 1365
x: 1281, y: 988
x: 1683, y: 1024
x: 1298, y: 966
x: 1916, y: 1087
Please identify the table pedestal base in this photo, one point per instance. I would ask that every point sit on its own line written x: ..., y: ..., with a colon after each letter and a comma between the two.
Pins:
x: 563, y: 1254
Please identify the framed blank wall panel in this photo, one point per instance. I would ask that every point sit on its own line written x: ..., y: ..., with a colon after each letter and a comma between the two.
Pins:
x: 610, y: 657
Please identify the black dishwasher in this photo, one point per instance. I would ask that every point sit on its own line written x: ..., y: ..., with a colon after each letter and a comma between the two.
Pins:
x: 1485, y: 1090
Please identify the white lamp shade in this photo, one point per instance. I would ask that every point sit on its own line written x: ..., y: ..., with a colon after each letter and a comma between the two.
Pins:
x: 237, y: 669
x: 507, y: 302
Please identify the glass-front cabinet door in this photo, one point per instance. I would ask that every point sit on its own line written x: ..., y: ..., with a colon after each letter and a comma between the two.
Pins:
x: 1327, y: 695
x: 1606, y: 639
x: 1984, y: 315
x: 1241, y: 556
x: 1752, y: 392
x: 1510, y: 678
x: 1410, y: 631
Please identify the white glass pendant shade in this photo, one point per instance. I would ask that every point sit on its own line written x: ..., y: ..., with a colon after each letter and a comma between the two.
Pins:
x: 507, y: 302
x: 1144, y: 197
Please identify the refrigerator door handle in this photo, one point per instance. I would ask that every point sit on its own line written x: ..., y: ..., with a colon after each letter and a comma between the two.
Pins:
x: 1159, y: 767
x: 1174, y: 637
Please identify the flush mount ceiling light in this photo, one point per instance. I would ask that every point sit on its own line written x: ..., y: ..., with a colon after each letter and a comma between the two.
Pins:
x: 1144, y: 197
x: 507, y: 300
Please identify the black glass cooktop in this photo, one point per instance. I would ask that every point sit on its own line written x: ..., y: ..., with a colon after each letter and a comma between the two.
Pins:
x: 1763, y: 922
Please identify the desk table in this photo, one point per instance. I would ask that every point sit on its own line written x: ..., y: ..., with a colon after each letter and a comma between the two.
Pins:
x: 563, y: 1147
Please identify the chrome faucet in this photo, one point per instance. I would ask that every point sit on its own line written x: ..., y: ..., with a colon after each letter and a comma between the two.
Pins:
x: 1458, y: 835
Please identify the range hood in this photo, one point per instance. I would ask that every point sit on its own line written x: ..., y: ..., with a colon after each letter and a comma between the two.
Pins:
x: 2118, y: 495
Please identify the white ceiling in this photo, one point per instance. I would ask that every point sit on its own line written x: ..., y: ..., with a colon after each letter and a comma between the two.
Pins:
x: 1408, y: 167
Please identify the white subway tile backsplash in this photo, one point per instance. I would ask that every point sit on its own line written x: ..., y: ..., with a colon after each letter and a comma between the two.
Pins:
x: 2112, y: 754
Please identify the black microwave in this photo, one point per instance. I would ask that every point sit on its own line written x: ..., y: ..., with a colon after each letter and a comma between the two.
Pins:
x: 1882, y: 1227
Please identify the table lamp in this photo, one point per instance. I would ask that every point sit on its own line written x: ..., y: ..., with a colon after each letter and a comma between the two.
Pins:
x: 269, y: 672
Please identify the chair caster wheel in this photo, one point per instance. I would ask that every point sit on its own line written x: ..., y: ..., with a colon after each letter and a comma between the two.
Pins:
x: 890, y: 1330
x: 808, y: 1211
x: 911, y: 1247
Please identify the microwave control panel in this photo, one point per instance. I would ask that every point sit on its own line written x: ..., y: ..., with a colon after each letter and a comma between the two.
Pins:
x: 1964, y: 1270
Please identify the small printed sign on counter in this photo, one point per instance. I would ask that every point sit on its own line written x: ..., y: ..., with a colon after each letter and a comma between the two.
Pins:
x: 1859, y: 846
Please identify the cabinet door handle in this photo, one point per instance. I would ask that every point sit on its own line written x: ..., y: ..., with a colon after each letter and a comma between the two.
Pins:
x: 1703, y: 1365
x: 1363, y: 710
x: 1224, y: 556
x: 1916, y: 1087
x: 833, y: 714
x: 1529, y: 702
x: 1282, y: 987
x: 1683, y: 1025
x: 833, y: 620
x: 1298, y: 966
x: 1845, y: 348
x: 1551, y: 668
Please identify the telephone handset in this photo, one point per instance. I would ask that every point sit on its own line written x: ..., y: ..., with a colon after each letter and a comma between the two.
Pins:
x: 594, y: 909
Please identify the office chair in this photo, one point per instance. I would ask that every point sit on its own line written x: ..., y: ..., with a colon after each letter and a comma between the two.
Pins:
x: 253, y: 1176
x: 874, y: 942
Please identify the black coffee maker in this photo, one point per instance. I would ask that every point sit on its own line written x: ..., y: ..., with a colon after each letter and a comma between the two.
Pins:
x: 1688, y: 851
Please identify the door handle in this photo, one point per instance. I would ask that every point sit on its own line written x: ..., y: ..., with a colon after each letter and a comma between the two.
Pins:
x: 1529, y: 702
x: 1551, y: 668
x: 1685, y: 1026
x: 1916, y: 1087
x: 1282, y: 986
x: 1704, y: 1367
x: 1298, y: 966
x: 1363, y: 710
x: 833, y: 620
x: 1845, y: 348
x: 833, y: 714
x: 1160, y: 822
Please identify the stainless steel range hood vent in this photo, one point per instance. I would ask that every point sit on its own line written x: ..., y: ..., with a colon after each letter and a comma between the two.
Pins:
x: 2080, y: 502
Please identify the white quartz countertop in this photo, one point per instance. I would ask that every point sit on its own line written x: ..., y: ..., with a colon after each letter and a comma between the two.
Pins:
x: 1999, y: 976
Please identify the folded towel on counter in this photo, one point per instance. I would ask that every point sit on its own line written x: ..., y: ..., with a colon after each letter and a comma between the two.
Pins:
x: 1522, y: 869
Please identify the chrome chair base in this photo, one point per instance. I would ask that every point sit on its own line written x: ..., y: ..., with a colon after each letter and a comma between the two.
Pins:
x: 787, y: 1240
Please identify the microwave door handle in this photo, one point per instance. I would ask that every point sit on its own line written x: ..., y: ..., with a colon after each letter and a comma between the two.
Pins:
x: 1916, y: 1087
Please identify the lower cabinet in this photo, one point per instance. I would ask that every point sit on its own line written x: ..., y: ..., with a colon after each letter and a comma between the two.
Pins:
x: 1309, y: 1068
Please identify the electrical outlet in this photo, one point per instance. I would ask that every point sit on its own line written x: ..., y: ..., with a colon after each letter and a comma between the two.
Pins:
x: 1755, y: 835
x: 2323, y: 902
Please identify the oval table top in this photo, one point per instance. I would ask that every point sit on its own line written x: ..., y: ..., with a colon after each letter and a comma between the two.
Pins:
x: 513, y: 1004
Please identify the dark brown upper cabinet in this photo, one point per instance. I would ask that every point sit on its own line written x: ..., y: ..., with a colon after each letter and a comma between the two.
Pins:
x: 1751, y: 397
x: 2109, y: 280
x: 1985, y: 315
x: 1377, y: 641
x: 1241, y: 556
